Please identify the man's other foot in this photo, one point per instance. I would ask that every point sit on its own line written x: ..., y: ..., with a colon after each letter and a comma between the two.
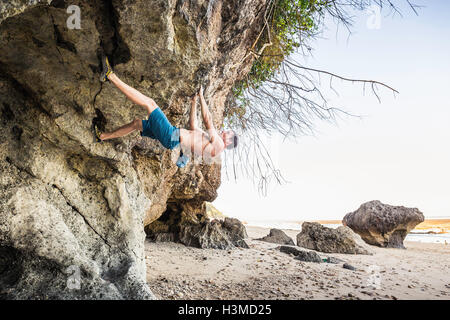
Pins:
x: 107, y: 70
x: 98, y: 133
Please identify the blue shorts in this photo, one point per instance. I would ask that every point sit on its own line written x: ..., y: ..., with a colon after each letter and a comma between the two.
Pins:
x: 158, y: 127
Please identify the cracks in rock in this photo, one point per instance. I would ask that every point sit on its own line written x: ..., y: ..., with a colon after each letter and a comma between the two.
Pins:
x: 23, y: 90
x: 99, y: 121
x: 96, y: 95
x: 111, y: 41
x: 21, y: 169
x: 60, y: 42
x: 74, y: 208
x: 54, y: 28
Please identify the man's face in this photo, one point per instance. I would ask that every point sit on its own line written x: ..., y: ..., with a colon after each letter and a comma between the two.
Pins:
x: 228, y: 138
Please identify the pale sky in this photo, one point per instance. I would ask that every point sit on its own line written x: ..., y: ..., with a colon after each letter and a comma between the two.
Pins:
x: 398, y: 153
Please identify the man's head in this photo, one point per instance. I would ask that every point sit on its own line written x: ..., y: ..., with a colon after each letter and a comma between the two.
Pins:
x: 230, y: 139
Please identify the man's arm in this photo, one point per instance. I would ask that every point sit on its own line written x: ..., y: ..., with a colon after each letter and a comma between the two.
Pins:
x: 216, y: 145
x: 193, y: 114
x: 207, y: 118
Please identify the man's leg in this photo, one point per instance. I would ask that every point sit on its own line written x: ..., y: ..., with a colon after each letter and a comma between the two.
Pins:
x: 123, y: 131
x: 132, y: 94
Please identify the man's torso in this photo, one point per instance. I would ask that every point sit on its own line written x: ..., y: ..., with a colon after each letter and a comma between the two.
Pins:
x: 199, y: 143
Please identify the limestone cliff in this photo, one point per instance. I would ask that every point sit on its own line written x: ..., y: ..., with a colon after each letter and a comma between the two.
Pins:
x: 74, y: 210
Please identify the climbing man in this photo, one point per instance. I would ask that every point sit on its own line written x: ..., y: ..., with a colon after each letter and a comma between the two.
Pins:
x: 191, y: 141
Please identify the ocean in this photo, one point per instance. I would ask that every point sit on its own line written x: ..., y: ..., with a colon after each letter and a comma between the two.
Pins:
x: 419, y: 235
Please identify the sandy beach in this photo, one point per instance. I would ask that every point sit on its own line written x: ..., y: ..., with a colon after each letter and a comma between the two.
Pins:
x: 175, y: 271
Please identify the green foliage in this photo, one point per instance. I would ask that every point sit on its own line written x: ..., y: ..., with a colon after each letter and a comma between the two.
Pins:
x: 289, y: 24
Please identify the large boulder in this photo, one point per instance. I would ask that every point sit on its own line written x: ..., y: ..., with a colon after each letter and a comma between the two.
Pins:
x: 72, y: 211
x: 215, y: 234
x: 340, y: 240
x: 382, y: 224
x: 277, y: 236
x: 181, y: 223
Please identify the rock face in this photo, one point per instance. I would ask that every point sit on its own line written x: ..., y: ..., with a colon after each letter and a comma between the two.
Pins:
x: 72, y: 211
x: 277, y: 236
x: 340, y: 240
x: 197, y: 230
x: 383, y: 225
x: 12, y: 7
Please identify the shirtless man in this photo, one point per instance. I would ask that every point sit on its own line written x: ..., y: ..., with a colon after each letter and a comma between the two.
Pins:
x: 192, y: 141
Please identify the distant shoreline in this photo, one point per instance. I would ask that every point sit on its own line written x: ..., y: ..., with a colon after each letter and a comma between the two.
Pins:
x: 433, y: 220
x: 441, y: 224
x: 431, y: 230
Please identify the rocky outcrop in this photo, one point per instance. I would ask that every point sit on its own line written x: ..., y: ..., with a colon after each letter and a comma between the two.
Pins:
x: 340, y: 240
x: 72, y: 211
x: 197, y: 230
x: 277, y: 236
x: 382, y: 224
x: 216, y: 234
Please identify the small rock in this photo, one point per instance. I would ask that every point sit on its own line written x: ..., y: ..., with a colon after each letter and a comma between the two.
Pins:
x: 349, y: 267
x: 333, y: 260
x: 277, y: 236
x: 302, y: 255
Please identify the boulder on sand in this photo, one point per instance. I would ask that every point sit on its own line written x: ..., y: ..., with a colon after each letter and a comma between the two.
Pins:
x: 277, y: 236
x: 302, y: 255
x: 340, y: 240
x: 383, y: 225
x: 206, y: 234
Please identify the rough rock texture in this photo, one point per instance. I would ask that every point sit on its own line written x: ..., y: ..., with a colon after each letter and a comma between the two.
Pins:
x: 302, y: 255
x: 382, y: 224
x: 340, y: 240
x: 67, y: 203
x: 9, y: 8
x: 277, y: 236
x: 197, y: 230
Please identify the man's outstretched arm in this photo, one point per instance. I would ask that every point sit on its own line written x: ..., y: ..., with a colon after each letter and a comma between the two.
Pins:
x: 193, y: 114
x: 207, y: 118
